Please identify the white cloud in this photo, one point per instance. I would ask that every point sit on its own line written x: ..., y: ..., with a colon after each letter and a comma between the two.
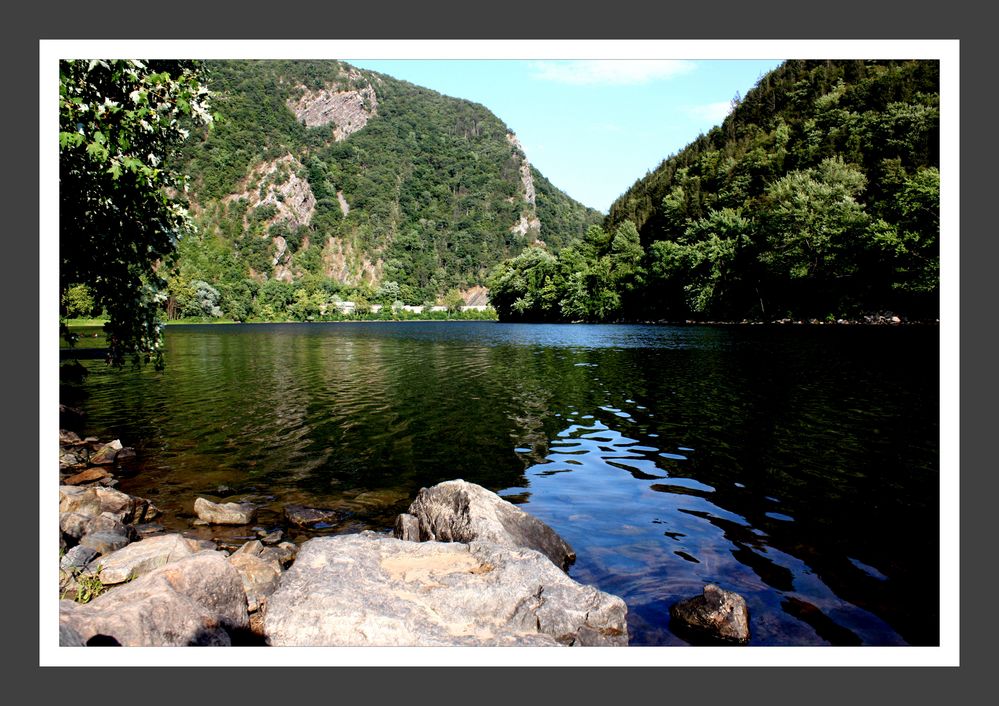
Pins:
x: 715, y: 112
x: 609, y: 71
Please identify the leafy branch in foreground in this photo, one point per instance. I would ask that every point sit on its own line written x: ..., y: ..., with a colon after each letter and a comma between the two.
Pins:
x: 120, y: 217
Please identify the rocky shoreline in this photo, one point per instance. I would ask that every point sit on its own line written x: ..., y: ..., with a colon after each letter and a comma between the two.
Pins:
x: 461, y: 567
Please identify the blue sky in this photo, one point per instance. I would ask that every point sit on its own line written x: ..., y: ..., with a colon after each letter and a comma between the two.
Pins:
x: 592, y: 127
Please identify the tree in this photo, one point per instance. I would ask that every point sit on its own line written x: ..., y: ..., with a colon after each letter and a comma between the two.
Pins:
x: 453, y: 301
x: 78, y: 301
x: 120, y: 215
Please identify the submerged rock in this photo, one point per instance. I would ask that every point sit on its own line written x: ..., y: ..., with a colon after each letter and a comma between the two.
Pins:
x: 367, y: 589
x: 198, y: 600
x: 224, y: 513
x: 303, y: 516
x: 717, y: 613
x: 458, y: 511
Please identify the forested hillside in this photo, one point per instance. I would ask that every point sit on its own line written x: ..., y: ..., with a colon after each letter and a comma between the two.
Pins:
x: 818, y: 196
x: 320, y: 181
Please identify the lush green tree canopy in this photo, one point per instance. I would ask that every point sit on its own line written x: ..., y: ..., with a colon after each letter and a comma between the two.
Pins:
x: 119, y: 212
x: 817, y: 196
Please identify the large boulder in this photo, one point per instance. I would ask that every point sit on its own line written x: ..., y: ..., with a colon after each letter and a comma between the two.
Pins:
x: 716, y: 614
x: 224, y: 513
x: 458, y: 511
x: 197, y: 600
x: 368, y: 589
x: 142, y: 557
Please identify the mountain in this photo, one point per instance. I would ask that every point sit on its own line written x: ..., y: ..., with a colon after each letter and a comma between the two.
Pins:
x: 817, y: 197
x: 322, y: 178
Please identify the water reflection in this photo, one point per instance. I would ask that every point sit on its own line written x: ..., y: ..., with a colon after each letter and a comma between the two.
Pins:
x: 702, y: 542
x: 798, y: 467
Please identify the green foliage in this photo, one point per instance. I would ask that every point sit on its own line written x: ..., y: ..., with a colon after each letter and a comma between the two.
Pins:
x: 119, y: 123
x: 453, y: 301
x: 818, y: 193
x: 89, y: 586
x: 589, y: 280
x: 432, y: 183
x: 78, y: 302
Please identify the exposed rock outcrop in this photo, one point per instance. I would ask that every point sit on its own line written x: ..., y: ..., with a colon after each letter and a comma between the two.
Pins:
x: 529, y: 223
x: 367, y: 589
x: 458, y: 511
x: 348, y: 109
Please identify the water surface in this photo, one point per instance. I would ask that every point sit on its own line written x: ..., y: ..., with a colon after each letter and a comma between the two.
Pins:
x: 798, y: 466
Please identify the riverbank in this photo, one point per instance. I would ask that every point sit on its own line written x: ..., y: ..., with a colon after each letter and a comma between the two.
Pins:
x: 462, y: 567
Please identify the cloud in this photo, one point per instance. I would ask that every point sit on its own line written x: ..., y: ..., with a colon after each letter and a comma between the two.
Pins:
x: 715, y: 112
x: 609, y: 71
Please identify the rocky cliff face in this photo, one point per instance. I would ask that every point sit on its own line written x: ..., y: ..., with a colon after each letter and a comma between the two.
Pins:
x: 327, y: 170
x: 279, y: 184
x: 529, y: 224
x: 348, y: 109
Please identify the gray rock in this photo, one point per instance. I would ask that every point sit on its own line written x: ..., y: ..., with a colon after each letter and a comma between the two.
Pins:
x: 141, y: 557
x: 303, y: 516
x: 105, y: 542
x: 224, y: 513
x: 198, y: 600
x: 125, y: 455
x: 76, y: 558
x: 253, y: 547
x: 260, y: 578
x: 73, y: 458
x: 367, y: 589
x: 407, y: 527
x: 272, y: 538
x: 96, y: 500
x: 74, y: 525
x: 106, y: 454
x: 283, y: 554
x: 717, y: 613
x: 201, y: 545
x: 68, y: 438
x: 68, y: 637
x: 457, y: 511
x: 82, y: 501
x: 125, y: 508
x: 148, y: 529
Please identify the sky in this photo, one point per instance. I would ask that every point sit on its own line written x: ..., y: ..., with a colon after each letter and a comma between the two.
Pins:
x: 592, y: 127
